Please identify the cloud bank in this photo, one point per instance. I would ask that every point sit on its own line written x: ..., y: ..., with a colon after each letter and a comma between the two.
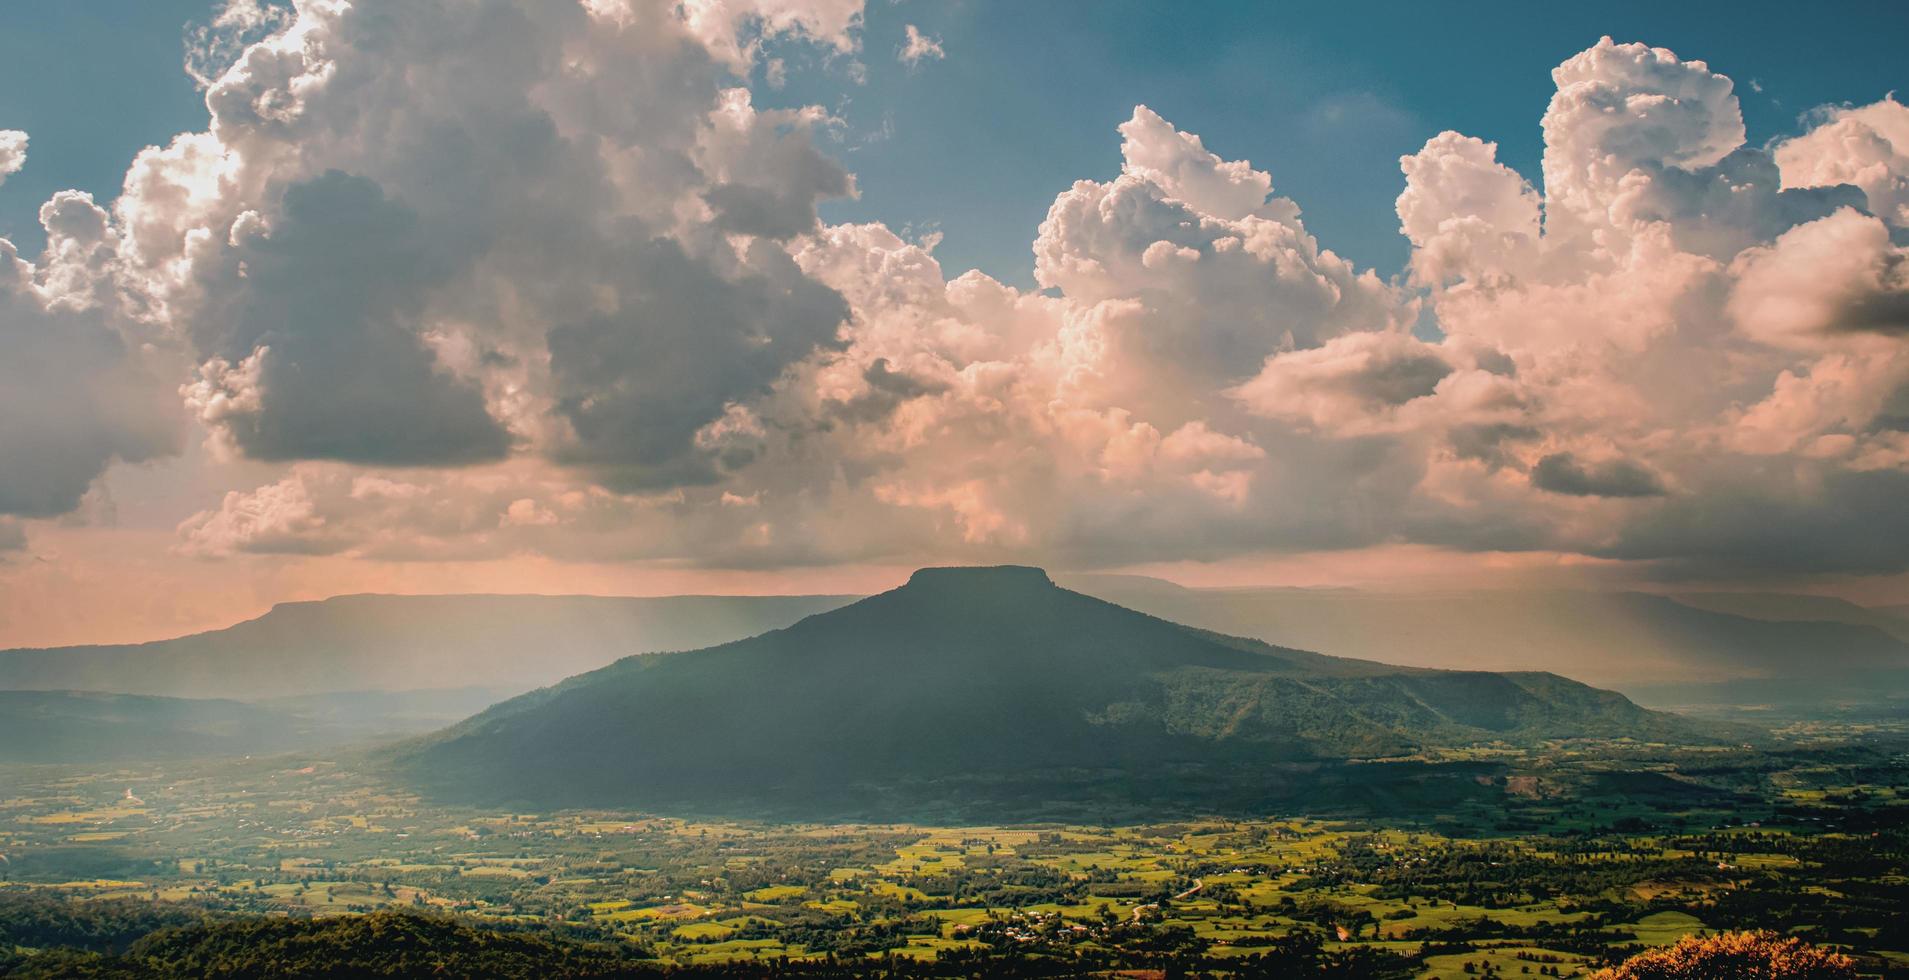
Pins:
x: 496, y: 277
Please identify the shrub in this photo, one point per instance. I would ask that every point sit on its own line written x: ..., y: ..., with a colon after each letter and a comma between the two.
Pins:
x: 1735, y: 956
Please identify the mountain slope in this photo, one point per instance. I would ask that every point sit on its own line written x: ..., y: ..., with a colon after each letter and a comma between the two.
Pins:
x: 980, y: 671
x: 1791, y: 608
x: 82, y: 727
x: 1635, y: 642
x: 397, y: 643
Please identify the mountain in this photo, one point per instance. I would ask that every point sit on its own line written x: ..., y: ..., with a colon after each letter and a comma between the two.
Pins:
x: 80, y: 727
x: 1898, y: 614
x: 981, y: 671
x: 84, y: 727
x: 1791, y: 608
x: 507, y: 643
x: 1714, y: 647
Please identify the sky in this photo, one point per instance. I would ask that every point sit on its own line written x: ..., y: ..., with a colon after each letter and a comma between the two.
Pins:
x: 636, y: 296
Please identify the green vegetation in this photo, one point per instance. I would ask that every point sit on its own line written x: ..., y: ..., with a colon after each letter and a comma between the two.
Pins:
x: 979, y: 774
x: 67, y: 726
x: 1571, y: 857
x: 1749, y: 955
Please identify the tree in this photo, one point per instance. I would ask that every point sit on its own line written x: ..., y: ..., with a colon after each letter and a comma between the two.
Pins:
x: 1735, y: 956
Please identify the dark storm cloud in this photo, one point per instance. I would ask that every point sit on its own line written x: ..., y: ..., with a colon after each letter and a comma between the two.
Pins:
x: 636, y: 386
x: 1770, y: 522
x: 333, y: 294
x: 74, y: 395
x: 1566, y: 474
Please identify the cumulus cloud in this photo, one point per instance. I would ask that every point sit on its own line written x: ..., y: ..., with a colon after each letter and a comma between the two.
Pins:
x: 327, y: 372
x: 1831, y: 280
x: 1190, y: 274
x: 13, y: 152
x: 434, y: 234
x: 733, y: 30
x: 1624, y: 109
x: 1468, y: 216
x: 917, y: 47
x: 1200, y: 377
x: 1866, y: 146
x: 1356, y: 382
x: 212, y: 47
x: 517, y: 276
x: 78, y: 388
x: 1565, y: 473
x: 1680, y: 312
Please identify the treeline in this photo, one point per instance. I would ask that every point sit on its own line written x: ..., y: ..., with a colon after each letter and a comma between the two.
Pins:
x: 36, y: 920
x: 61, y: 938
x: 382, y: 944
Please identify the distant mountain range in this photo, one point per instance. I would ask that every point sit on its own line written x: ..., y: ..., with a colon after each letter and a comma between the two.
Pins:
x: 84, y: 727
x: 357, y: 667
x: 69, y: 727
x: 1718, y: 648
x: 983, y: 671
x: 505, y: 644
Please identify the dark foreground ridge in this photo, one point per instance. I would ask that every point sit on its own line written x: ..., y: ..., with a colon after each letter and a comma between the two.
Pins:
x: 991, y: 675
x: 120, y: 941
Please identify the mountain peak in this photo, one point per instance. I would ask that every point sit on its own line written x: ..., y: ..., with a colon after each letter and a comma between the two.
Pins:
x: 979, y: 671
x: 1018, y: 577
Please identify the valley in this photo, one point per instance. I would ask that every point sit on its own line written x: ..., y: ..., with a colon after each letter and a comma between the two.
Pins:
x: 980, y: 773
x: 1570, y: 858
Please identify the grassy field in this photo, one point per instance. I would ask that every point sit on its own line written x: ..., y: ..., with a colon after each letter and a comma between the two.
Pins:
x: 1554, y: 880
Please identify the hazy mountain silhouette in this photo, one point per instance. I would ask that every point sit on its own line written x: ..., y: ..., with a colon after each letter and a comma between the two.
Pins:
x: 84, y: 727
x: 93, y: 727
x: 981, y: 670
x: 503, y: 643
x: 1792, y: 608
x: 1716, y: 647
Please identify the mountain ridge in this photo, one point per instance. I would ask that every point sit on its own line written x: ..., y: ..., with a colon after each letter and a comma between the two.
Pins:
x: 1633, y: 641
x: 982, y: 671
x: 370, y: 641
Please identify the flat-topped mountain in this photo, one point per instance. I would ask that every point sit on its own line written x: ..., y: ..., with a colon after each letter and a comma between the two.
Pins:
x: 979, y: 671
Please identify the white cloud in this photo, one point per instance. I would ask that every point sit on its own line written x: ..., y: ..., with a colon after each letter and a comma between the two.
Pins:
x: 918, y: 47
x: 212, y: 47
x: 1359, y: 382
x: 514, y: 276
x: 13, y: 152
x: 733, y: 30
x: 80, y: 386
x: 1468, y: 216
x: 573, y: 247
x: 1625, y: 109
x: 1833, y: 282
x: 1866, y: 146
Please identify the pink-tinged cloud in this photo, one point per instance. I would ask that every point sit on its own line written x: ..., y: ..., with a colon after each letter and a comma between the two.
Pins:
x: 561, y: 289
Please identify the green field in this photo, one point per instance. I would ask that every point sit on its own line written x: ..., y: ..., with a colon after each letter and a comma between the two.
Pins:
x: 1587, y: 856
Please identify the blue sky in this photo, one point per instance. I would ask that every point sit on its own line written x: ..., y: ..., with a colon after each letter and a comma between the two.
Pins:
x: 1324, y: 96
x: 91, y: 82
